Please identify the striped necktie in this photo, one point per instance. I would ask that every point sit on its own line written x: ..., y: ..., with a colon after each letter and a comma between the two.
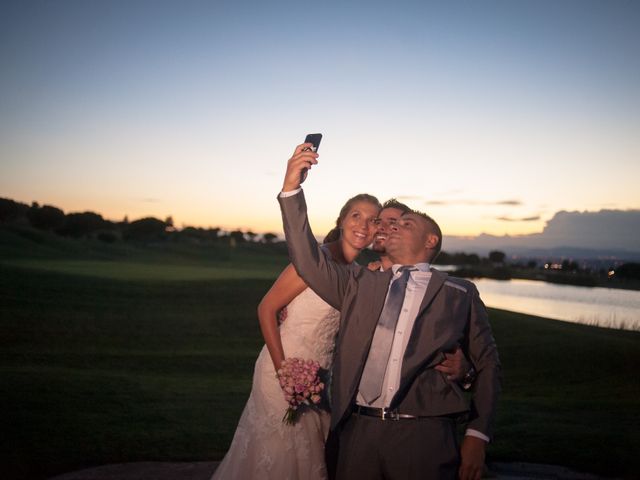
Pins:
x: 376, y: 364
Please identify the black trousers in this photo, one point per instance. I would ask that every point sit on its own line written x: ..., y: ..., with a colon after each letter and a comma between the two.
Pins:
x: 370, y: 448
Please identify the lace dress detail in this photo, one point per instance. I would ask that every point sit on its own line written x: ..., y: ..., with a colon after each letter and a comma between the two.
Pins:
x: 263, y: 447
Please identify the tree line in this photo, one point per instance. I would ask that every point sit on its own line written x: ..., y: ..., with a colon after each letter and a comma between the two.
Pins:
x: 150, y: 229
x: 92, y: 225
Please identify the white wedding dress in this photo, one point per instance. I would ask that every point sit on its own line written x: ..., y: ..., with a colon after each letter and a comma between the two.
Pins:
x: 263, y: 447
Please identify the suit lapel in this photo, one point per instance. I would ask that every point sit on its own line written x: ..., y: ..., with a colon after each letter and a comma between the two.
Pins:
x: 381, y: 287
x: 435, y: 284
x: 420, y: 346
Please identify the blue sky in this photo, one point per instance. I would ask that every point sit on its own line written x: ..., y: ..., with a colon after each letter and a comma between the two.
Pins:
x: 492, y: 116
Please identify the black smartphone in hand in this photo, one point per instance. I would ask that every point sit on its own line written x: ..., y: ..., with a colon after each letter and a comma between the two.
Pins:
x: 314, y: 139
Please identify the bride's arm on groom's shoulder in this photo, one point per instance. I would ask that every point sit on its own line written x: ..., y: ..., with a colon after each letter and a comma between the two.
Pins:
x: 287, y: 287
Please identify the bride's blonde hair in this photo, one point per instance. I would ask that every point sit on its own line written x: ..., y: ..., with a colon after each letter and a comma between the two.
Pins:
x: 334, y: 233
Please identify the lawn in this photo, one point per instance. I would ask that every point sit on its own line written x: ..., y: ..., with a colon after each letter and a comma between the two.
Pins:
x: 128, y: 358
x: 97, y: 370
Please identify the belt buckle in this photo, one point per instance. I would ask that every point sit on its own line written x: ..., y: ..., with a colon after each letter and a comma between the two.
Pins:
x: 390, y: 414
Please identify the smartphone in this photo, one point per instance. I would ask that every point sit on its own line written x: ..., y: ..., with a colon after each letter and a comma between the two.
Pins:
x: 313, y: 138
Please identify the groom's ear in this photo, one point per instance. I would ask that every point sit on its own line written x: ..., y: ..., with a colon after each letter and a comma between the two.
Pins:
x: 431, y: 241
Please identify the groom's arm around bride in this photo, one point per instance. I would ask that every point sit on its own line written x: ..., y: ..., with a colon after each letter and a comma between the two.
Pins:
x: 407, y: 430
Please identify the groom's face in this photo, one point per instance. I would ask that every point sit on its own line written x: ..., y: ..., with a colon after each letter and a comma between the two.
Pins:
x: 411, y: 240
x: 387, y: 218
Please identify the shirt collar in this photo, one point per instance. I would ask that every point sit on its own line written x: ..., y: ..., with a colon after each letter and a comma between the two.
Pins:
x: 422, y: 267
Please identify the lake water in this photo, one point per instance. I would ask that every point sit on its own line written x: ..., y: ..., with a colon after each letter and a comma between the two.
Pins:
x: 605, y: 307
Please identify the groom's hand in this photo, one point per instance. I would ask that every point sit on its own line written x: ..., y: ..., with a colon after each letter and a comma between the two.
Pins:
x: 472, y: 454
x: 297, y: 166
x: 454, y: 365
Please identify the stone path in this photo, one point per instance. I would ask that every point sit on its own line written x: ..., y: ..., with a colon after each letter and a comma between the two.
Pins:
x: 204, y: 470
x: 145, y: 471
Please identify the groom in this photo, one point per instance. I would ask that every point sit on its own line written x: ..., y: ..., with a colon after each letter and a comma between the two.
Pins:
x: 393, y: 414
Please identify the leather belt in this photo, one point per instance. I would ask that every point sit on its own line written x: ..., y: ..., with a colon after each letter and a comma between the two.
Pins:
x: 382, y: 413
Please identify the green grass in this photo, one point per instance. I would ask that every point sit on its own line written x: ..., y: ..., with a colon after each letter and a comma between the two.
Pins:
x: 570, y: 394
x: 113, y: 357
x: 119, y: 270
x: 97, y: 370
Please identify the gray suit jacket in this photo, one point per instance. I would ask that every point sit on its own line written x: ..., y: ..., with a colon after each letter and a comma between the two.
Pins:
x: 451, y: 313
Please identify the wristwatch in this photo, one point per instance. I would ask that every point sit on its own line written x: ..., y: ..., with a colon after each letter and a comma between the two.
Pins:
x: 468, y: 379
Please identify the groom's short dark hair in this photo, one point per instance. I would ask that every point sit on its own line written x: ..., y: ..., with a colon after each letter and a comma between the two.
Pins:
x: 435, y: 228
x: 393, y: 203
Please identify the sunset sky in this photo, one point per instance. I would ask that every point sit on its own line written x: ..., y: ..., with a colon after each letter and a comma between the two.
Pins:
x: 490, y: 115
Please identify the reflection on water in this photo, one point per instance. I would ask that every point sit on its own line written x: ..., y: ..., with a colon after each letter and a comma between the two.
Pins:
x: 605, y: 307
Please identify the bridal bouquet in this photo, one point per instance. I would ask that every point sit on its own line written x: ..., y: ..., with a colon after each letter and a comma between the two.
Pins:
x: 301, y: 385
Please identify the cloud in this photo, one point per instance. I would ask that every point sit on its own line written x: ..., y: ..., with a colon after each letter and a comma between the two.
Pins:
x: 508, y: 203
x: 409, y: 198
x: 606, y: 227
x: 604, y: 230
x: 521, y: 219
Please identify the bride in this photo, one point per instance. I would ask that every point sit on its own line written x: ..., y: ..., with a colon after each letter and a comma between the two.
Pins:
x: 263, y: 446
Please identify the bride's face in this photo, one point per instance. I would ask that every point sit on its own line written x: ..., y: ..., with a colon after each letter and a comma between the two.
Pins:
x: 358, y: 225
